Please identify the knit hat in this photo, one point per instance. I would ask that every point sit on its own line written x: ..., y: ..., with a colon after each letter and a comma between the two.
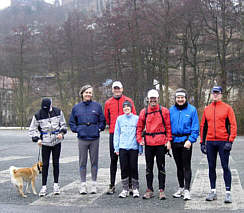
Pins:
x: 181, y: 92
x: 84, y: 88
x: 46, y: 104
x: 127, y: 103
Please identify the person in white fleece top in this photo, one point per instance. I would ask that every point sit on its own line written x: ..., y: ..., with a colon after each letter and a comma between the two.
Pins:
x: 126, y: 146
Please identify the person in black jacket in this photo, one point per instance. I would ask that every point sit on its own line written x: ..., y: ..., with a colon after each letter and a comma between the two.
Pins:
x: 47, y: 128
x: 87, y: 120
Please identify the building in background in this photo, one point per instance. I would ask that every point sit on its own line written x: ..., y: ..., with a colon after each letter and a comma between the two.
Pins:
x: 7, y: 116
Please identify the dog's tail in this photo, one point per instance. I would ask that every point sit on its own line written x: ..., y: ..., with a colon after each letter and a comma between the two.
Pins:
x: 12, y: 170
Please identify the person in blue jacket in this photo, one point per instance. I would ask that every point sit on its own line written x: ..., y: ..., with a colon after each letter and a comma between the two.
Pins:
x: 87, y: 120
x: 185, y: 131
x: 126, y: 146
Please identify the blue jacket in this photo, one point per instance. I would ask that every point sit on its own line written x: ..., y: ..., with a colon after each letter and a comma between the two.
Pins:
x: 184, y: 121
x: 87, y: 120
x: 125, y: 133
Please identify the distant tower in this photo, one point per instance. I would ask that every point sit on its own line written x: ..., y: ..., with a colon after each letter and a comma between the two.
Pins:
x: 57, y: 3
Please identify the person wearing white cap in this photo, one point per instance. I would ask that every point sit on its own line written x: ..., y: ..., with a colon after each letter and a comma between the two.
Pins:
x: 185, y: 131
x: 112, y: 109
x: 156, y: 120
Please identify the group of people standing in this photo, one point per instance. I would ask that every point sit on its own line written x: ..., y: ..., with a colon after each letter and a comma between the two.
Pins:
x: 156, y: 128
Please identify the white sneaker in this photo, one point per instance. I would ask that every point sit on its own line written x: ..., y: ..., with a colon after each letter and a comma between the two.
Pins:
x: 179, y: 193
x: 187, y: 195
x: 83, y: 188
x: 135, y: 193
x: 43, y: 191
x: 124, y: 194
x: 94, y: 187
x: 56, y: 189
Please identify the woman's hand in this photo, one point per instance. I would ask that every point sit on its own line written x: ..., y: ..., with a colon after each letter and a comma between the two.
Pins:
x: 39, y: 142
x: 60, y: 136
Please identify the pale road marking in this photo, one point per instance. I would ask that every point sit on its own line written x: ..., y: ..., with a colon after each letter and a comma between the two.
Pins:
x: 67, y: 159
x: 4, y: 176
x: 70, y: 195
x: 13, y: 158
x: 204, y: 160
x: 200, y: 189
x: 141, y: 160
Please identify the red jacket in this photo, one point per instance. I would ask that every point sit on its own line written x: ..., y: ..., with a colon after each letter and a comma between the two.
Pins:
x: 154, y: 124
x: 217, y: 118
x: 113, y: 108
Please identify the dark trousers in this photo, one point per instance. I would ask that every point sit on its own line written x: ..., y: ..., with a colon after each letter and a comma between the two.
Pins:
x: 114, y: 161
x: 150, y: 153
x: 46, y: 152
x: 214, y: 147
x: 128, y: 163
x: 182, y: 157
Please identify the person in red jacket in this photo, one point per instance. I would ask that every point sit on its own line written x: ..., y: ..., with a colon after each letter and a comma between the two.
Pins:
x: 157, y: 136
x: 218, y: 130
x: 112, y: 109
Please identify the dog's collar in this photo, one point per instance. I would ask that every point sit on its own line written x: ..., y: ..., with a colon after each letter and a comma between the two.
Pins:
x: 38, y: 167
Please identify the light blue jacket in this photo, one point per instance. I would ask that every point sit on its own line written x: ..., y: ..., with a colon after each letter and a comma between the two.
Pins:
x: 125, y: 133
x: 184, y: 121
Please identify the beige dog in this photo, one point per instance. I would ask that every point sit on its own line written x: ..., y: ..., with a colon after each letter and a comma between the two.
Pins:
x: 28, y: 175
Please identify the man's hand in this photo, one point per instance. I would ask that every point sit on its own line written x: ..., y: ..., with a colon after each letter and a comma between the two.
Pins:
x: 203, y: 148
x: 187, y: 144
x: 168, y: 145
x: 39, y: 142
x: 142, y: 143
x: 117, y: 153
x: 227, y: 146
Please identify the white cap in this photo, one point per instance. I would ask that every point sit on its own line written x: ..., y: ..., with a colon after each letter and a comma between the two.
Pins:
x: 117, y: 84
x: 152, y: 93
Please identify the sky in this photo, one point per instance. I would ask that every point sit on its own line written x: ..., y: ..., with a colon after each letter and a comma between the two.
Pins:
x: 6, y: 3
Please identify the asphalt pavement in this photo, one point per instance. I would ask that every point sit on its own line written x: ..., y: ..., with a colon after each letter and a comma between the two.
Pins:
x: 17, y: 149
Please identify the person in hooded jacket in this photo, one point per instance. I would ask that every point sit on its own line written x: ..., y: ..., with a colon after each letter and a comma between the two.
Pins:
x: 87, y: 120
x: 185, y: 131
x: 47, y: 128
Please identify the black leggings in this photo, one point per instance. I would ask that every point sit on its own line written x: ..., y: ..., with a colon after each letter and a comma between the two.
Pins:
x: 128, y: 163
x: 182, y: 158
x: 114, y: 161
x: 46, y: 152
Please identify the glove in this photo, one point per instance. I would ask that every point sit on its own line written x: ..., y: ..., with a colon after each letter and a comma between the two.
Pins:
x: 204, y: 148
x: 227, y: 146
x: 35, y: 139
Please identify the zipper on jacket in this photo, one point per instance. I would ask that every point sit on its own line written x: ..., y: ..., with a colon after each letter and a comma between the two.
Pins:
x: 178, y: 122
x: 118, y: 108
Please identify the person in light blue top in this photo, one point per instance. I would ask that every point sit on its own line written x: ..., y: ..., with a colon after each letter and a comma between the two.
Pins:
x: 185, y: 131
x: 126, y: 146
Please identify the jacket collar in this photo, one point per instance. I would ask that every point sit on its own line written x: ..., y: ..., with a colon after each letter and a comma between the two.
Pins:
x: 152, y: 109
